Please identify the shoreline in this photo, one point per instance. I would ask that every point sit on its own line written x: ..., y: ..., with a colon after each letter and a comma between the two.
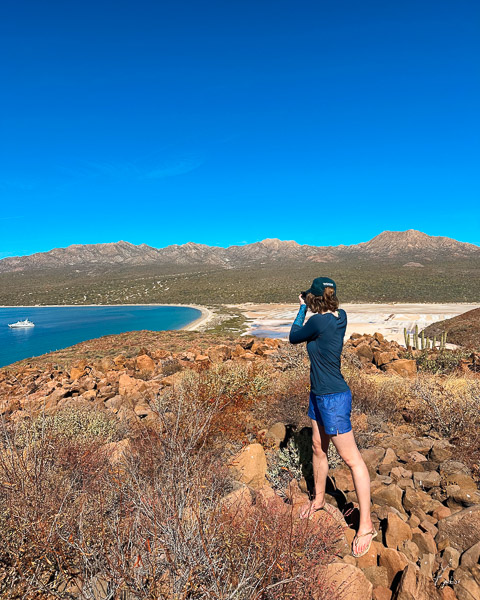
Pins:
x: 205, y: 316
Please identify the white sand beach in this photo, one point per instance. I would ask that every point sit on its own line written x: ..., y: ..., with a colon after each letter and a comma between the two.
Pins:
x: 275, y: 320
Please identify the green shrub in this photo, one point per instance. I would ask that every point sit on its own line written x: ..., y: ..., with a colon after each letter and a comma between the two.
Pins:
x: 82, y: 424
x: 444, y: 362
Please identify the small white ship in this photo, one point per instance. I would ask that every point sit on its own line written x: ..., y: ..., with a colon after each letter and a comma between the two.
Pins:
x: 18, y: 324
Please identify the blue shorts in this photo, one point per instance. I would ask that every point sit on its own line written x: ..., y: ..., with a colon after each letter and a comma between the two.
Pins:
x: 332, y: 411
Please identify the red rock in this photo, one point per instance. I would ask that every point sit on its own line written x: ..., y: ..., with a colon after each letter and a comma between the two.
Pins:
x: 414, y: 585
x: 397, y: 531
x: 219, y: 353
x: 382, y: 358
x: 376, y: 575
x: 145, y: 364
x: 461, y: 530
x: 250, y: 466
x: 403, y: 367
x: 381, y: 593
x: 394, y: 562
x: 441, y: 512
x: 347, y: 579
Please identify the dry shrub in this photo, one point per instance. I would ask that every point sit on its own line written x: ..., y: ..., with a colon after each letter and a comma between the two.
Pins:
x: 149, y: 526
x: 378, y: 395
x: 450, y: 406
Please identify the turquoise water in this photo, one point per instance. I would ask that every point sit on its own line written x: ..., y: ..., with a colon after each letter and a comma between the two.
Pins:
x: 63, y: 326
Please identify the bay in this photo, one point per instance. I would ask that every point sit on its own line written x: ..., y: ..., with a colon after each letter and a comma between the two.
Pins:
x: 58, y: 327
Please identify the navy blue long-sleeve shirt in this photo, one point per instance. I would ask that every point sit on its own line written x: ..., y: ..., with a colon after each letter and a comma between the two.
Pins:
x: 324, y: 336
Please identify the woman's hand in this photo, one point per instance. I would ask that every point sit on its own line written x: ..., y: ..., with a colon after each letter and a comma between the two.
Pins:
x: 302, y: 301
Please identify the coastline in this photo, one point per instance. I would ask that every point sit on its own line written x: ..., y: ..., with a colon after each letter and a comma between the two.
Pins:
x: 206, y: 313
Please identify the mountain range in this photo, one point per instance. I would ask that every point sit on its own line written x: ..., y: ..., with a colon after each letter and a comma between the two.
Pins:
x: 411, y: 246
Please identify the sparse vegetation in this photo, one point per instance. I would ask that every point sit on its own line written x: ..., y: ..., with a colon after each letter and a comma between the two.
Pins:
x: 360, y: 281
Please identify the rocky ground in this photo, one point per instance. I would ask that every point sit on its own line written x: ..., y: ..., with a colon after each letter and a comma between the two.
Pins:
x: 425, y: 506
x: 425, y: 501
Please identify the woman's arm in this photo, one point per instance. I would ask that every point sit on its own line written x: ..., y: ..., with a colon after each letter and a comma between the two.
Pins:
x: 299, y: 332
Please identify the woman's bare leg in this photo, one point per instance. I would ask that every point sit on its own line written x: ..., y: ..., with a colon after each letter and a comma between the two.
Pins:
x: 347, y: 448
x: 320, y: 442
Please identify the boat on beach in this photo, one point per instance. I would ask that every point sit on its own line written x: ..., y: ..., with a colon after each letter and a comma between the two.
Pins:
x: 21, y: 324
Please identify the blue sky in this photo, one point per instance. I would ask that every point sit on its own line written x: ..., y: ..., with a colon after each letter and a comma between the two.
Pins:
x: 229, y: 122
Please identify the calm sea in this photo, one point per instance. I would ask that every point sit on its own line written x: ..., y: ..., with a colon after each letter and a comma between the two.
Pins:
x: 59, y: 327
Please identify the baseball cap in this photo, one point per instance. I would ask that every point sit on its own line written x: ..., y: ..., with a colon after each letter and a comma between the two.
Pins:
x: 319, y: 284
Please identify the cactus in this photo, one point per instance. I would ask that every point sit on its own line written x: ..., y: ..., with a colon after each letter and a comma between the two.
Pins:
x: 434, y: 342
x: 422, y: 339
x: 443, y: 341
x: 405, y: 336
x: 415, y: 337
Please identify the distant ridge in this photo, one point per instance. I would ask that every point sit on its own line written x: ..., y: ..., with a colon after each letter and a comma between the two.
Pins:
x: 406, y: 246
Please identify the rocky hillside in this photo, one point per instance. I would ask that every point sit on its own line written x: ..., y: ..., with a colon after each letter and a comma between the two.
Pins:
x: 120, y: 424
x: 388, y: 246
x: 463, y: 330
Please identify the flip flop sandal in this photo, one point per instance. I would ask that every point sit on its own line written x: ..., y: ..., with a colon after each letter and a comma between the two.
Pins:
x: 373, y: 533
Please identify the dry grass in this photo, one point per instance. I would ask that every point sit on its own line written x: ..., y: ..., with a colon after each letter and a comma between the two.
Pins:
x: 149, y: 526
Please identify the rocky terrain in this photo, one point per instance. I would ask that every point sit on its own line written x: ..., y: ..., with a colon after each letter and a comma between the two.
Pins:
x: 112, y: 428
x: 389, y: 245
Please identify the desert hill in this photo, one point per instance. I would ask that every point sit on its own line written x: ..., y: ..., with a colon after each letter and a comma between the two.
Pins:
x: 387, y: 246
x: 463, y: 330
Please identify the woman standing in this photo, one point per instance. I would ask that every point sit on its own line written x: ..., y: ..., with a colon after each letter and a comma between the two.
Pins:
x: 331, y: 401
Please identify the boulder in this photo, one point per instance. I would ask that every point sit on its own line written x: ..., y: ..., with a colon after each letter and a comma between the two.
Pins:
x: 250, y: 466
x: 425, y: 542
x: 388, y: 495
x: 410, y: 549
x: 471, y: 557
x: 394, y: 562
x: 403, y: 367
x: 419, y: 499
x: 277, y: 433
x: 130, y: 386
x: 426, y: 479
x: 461, y: 530
x: 364, y: 353
x: 269, y: 500
x: 441, y: 512
x: 414, y: 585
x: 76, y: 373
x: 397, y: 531
x: 377, y: 576
x: 343, y: 479
x: 467, y: 587
x: 381, y: 593
x: 343, y: 579
x: 145, y: 364
x: 441, y: 450
x: 219, y: 353
x: 372, y: 458
x: 450, y: 558
x: 382, y: 358
x: 427, y: 564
